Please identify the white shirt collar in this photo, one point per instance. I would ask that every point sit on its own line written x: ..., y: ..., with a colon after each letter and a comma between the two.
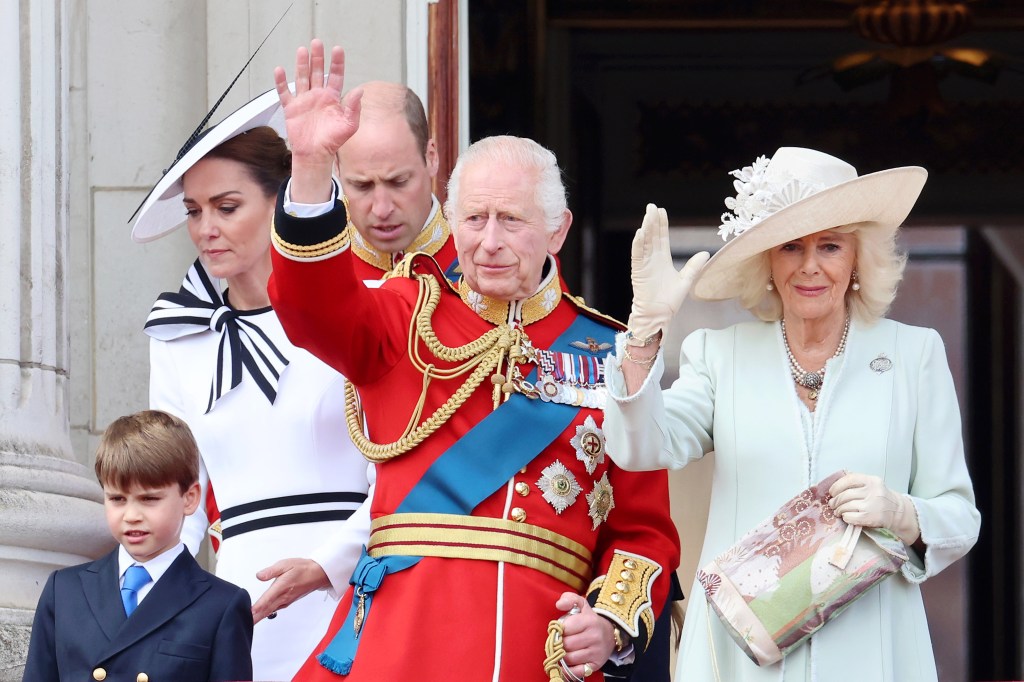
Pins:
x: 435, y: 206
x: 156, y: 566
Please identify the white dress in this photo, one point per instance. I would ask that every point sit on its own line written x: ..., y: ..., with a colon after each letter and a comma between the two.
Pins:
x: 735, y: 396
x: 255, y: 453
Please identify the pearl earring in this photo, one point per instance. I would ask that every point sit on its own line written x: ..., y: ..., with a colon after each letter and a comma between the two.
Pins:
x: 856, y: 285
x: 770, y: 286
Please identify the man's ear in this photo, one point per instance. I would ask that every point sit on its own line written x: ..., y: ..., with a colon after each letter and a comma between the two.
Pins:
x: 431, y: 158
x: 192, y: 497
x: 557, y: 238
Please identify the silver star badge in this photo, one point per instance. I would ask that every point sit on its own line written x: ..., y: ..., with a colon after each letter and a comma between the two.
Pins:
x: 589, y: 444
x: 559, y: 485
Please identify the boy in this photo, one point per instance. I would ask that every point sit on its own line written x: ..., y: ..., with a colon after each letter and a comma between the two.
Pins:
x: 174, y: 621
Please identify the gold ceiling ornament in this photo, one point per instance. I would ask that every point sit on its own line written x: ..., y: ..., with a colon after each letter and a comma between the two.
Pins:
x: 911, y: 23
x: 914, y: 53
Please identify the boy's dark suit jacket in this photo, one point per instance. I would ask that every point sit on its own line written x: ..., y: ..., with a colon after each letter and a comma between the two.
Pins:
x: 191, y: 627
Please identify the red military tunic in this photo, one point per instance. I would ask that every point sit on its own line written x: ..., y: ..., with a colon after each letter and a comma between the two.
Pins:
x: 456, y: 617
x: 435, y: 240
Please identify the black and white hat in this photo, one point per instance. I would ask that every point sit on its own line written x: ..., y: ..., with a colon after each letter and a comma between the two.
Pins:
x: 162, y: 211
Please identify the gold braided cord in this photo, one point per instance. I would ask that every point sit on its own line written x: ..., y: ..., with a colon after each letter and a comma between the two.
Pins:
x: 483, y: 356
x: 417, y: 411
x: 425, y: 329
x: 421, y: 327
x: 554, y: 651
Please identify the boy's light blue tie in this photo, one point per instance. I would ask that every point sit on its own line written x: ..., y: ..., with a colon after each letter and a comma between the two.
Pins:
x: 134, y: 578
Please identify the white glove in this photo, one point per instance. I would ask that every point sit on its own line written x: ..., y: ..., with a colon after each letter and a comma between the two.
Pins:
x: 863, y: 500
x: 658, y: 289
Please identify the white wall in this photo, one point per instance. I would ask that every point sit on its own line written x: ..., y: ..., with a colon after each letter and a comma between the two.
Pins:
x: 142, y: 76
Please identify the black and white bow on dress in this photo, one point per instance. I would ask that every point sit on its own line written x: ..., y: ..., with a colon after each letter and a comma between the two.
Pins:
x: 199, y: 306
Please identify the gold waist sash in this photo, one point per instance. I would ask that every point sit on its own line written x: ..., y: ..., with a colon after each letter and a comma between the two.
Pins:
x: 453, y: 536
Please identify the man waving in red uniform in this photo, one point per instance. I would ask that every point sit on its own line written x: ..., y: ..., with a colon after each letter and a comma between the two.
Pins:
x: 496, y: 507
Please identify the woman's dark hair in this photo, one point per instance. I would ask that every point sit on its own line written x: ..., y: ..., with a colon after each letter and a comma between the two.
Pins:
x: 263, y: 152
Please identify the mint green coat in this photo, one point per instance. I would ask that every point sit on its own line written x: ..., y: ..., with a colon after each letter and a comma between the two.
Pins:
x: 735, y: 395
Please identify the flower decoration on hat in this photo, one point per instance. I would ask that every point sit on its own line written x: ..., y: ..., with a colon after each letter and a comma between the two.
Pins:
x: 759, y: 195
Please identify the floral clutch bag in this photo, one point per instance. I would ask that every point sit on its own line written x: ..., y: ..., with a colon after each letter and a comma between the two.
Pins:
x: 794, y: 572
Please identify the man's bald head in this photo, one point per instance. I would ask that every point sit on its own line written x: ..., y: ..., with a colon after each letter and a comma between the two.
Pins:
x: 382, y: 100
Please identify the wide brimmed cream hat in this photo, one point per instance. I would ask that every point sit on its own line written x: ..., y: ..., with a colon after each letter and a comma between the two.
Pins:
x: 162, y: 211
x: 795, y: 193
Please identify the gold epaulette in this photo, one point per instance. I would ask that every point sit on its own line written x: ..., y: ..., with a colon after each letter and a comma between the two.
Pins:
x: 624, y: 594
x: 592, y: 313
x: 339, y: 242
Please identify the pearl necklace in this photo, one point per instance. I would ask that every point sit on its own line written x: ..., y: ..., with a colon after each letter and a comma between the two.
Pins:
x: 811, y: 380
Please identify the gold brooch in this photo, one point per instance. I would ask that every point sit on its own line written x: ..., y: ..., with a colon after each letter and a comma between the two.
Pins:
x: 592, y: 345
x: 601, y: 501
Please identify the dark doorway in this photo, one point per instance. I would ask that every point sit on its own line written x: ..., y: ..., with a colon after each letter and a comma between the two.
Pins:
x: 657, y: 100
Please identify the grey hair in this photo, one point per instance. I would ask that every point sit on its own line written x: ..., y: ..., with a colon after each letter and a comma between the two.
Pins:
x: 514, y: 152
x: 879, y: 267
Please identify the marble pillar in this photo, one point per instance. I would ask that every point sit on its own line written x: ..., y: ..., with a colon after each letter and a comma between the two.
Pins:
x: 98, y: 96
x: 51, y: 512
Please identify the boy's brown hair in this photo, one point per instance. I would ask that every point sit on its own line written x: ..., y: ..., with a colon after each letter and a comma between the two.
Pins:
x: 150, y: 449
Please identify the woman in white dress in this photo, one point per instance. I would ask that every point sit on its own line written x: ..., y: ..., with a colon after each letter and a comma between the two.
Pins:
x: 268, y: 417
x: 821, y: 383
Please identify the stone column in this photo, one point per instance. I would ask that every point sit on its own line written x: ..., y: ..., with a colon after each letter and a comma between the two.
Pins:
x: 51, y: 512
x: 98, y: 96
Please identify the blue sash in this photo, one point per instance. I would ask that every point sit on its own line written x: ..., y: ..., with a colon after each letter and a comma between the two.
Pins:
x: 454, y: 272
x: 463, y: 476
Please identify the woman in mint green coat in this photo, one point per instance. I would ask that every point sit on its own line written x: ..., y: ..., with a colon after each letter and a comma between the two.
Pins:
x: 821, y: 383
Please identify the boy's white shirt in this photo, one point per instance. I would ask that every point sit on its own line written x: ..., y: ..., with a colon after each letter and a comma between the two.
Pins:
x: 156, y: 566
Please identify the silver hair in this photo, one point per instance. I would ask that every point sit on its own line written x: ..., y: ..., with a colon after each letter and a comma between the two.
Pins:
x: 514, y: 152
x: 879, y: 266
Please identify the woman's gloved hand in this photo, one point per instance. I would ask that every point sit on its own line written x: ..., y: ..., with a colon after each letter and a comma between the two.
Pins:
x: 658, y: 288
x: 864, y: 500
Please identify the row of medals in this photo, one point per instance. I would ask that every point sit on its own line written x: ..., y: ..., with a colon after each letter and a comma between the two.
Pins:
x: 574, y: 389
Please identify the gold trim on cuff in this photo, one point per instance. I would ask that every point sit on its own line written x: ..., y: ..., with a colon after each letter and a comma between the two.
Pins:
x: 624, y: 593
x: 339, y: 242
